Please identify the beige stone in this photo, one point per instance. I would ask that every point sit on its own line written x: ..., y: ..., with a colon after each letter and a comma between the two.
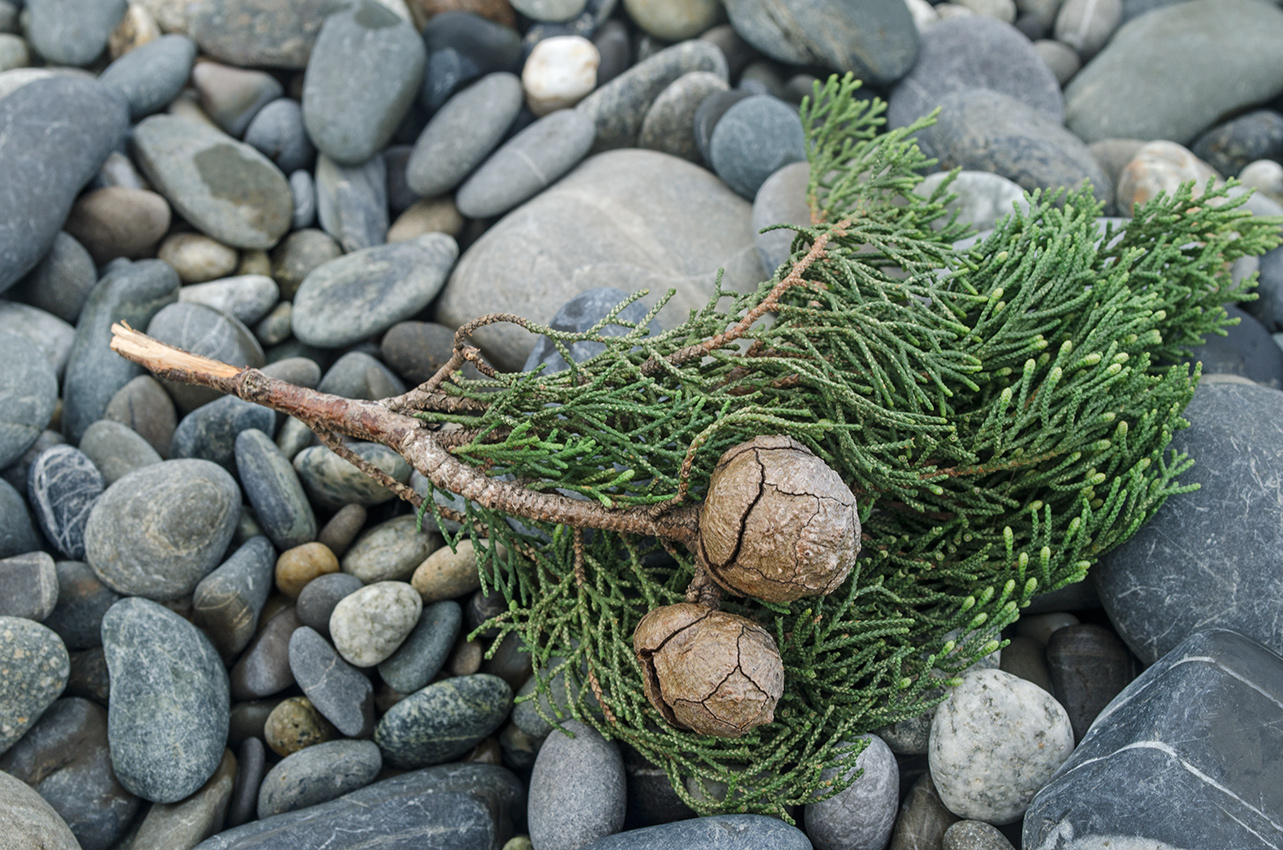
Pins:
x: 198, y: 258
x: 298, y: 566
x: 430, y: 215
x: 135, y: 29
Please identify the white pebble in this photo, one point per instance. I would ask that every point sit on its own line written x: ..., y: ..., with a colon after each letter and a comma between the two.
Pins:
x: 1265, y: 176
x: 367, y: 626
x: 559, y: 72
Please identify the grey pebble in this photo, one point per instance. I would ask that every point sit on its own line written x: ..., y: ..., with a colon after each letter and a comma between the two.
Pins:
x: 28, y: 394
x: 318, y: 774
x: 859, y: 817
x: 669, y: 124
x: 754, y: 139
x: 577, y: 789
x: 273, y: 488
x: 48, y: 333
x: 443, y: 721
x: 210, y: 431
x: 227, y: 602
x: 425, y: 651
x: 150, y: 76
x: 278, y: 133
x: 116, y: 450
x: 319, y: 596
x: 209, y: 332
x: 361, y: 376
x: 27, y: 818
x: 467, y: 128
x: 303, y: 195
x: 340, y: 692
x: 390, y: 551
x: 252, y: 33
x: 34, y: 666
x: 184, y: 822
x: 251, y: 760
x: 248, y: 297
x: 352, y: 202
x: 232, y: 96
x: 60, y: 282
x: 343, y: 528
x: 725, y: 832
x: 82, y: 602
x: 974, y: 835
x: 17, y: 534
x: 264, y: 667
x: 333, y: 482
x: 28, y: 586
x: 145, y: 408
x: 71, y: 32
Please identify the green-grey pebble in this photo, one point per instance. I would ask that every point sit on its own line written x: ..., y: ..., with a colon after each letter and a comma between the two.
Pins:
x: 227, y: 602
x: 425, y: 651
x: 273, y: 488
x: 116, y: 450
x: 390, y: 551
x: 28, y: 586
x: 82, y: 602
x: 333, y: 482
x: 318, y: 774
x: 34, y: 666
x: 443, y: 721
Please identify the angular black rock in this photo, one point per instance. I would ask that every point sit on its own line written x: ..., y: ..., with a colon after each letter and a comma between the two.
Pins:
x: 62, y: 486
x: 1189, y: 755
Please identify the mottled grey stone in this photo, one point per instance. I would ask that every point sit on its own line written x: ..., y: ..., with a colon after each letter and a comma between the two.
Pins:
x: 62, y: 486
x: 425, y: 651
x: 161, y: 529
x: 264, y: 667
x: 277, y: 131
x: 668, y: 126
x: 362, y: 294
x: 755, y: 138
x: 577, y: 790
x: 318, y: 774
x: 133, y: 294
x: 1089, y: 666
x: 209, y: 432
x: 28, y: 395
x: 225, y: 188
x: 273, y: 488
x: 145, y: 408
x: 319, y: 596
x: 578, y: 315
x: 861, y: 816
x: 361, y: 376
x: 71, y: 32
x: 416, y: 350
x: 82, y: 601
x: 923, y: 818
x: 462, y: 133
x: 187, y: 821
x: 227, y: 602
x: 1142, y: 87
x: 248, y: 297
x: 26, y: 818
x: 50, y: 335
x: 88, y: 677
x: 725, y: 832
x: 60, y: 282
x: 367, y: 626
x: 252, y: 33
x: 974, y: 835
x: 1230, y: 146
x: 340, y: 692
x: 974, y: 52
x: 352, y: 202
x: 1190, y: 754
x: 390, y: 551
x: 116, y: 450
x: 17, y: 534
x: 150, y: 76
x: 65, y: 758
x: 333, y: 482
x: 28, y: 586
x: 33, y: 672
x: 443, y: 721
x: 209, y: 332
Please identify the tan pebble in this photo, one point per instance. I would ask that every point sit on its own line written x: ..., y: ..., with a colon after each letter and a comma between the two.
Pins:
x: 135, y: 29
x: 560, y: 71
x: 255, y: 261
x: 465, y: 659
x: 1160, y: 167
x: 187, y: 105
x: 296, y: 567
x: 119, y: 222
x: 295, y: 724
x: 430, y: 215
x: 197, y: 258
x: 446, y: 574
x: 1265, y: 176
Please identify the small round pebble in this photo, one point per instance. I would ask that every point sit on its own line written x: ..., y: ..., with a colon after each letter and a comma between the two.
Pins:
x: 298, y: 566
x: 198, y: 258
x: 559, y: 72
x: 447, y: 574
x: 577, y: 788
x: 974, y: 835
x: 367, y: 626
x: 317, y: 774
x: 861, y: 816
x: 294, y: 725
x: 754, y: 139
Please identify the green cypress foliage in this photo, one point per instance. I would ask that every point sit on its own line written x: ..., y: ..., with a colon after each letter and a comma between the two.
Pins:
x: 1002, y: 414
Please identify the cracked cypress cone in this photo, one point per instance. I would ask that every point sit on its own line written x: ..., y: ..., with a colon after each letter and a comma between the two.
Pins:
x: 778, y: 523
x: 709, y: 671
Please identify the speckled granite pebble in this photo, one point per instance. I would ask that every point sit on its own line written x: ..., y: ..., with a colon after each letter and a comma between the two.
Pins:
x: 443, y: 721
x: 33, y: 671
x: 318, y: 774
x: 367, y: 626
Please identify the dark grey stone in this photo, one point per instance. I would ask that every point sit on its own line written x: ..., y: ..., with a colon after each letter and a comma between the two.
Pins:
x: 1190, y: 754
x: 364, y: 72
x: 862, y: 814
x: 167, y: 721
x: 277, y: 132
x: 318, y: 774
x: 29, y: 820
x: 340, y: 692
x: 272, y: 486
x: 264, y: 668
x: 982, y: 130
x: 209, y: 432
x: 462, y: 133
x: 71, y: 32
x: 1268, y: 308
x: 1207, y: 545
x: 65, y: 758
x: 425, y: 651
x: 755, y: 138
x: 876, y: 41
x: 362, y: 294
x: 361, y: 376
x: 145, y: 408
x: 225, y: 188
x: 62, y: 486
x: 161, y: 529
x: 150, y: 76
x: 333, y: 482
x: 416, y: 350
x: 463, y: 46
x: 443, y: 721
x: 227, y: 602
x: 132, y: 294
x: 254, y: 33
x: 708, y: 113
x: 1230, y: 146
x: 1138, y: 87
x: 527, y: 163
x: 669, y: 123
x: 577, y: 793
x: 923, y: 818
x: 1089, y: 666
x: 88, y: 677
x: 1247, y: 350
x: 319, y: 596
x: 974, y: 52
x: 619, y: 107
x: 352, y: 202
x: 44, y: 331
x: 725, y: 832
x: 212, y: 333
x: 578, y: 315
x: 652, y: 799
x: 17, y: 534
x: 34, y: 666
x: 251, y: 759
x: 303, y: 195
x: 28, y: 395
x: 60, y: 282
x: 116, y: 450
x: 82, y: 601
x: 28, y: 586
x: 15, y: 474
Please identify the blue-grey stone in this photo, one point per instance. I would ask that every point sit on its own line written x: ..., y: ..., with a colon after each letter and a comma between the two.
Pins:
x: 725, y: 832
x: 319, y: 596
x: 781, y: 199
x: 861, y: 816
x: 1230, y: 146
x: 876, y: 41
x: 28, y: 586
x: 17, y: 534
x: 28, y: 395
x: 303, y: 192
x: 364, y: 72
x: 62, y: 486
x: 209, y: 432
x: 669, y: 123
x: 225, y: 188
x: 251, y: 759
x: 50, y: 335
x: 443, y: 721
x: 82, y: 602
x: 1139, y: 87
x: 359, y: 375
x: 755, y: 138
x: 1247, y: 350
x: 54, y: 134
x: 333, y: 482
x: 1206, y: 545
x: 340, y: 692
x: 425, y: 651
x: 527, y: 163
x: 1190, y: 754
x: 1086, y: 667
x: 259, y: 33
x: 463, y: 46
x: 26, y: 818
x: 167, y: 720
x: 71, y: 32
x: 227, y: 602
x: 974, y: 52
x: 66, y: 759
x: 144, y: 407
x: 352, y: 202
x: 318, y: 774
x: 150, y: 76
x: 60, y: 282
x: 462, y: 133
x: 133, y: 294
x: 161, y: 529
x: 274, y: 490
x: 983, y: 130
x: 577, y: 788
x: 619, y: 107
x: 34, y: 666
x: 278, y: 133
x: 264, y: 667
x: 116, y: 450
x: 248, y: 297
x: 578, y: 315
x: 209, y: 332
x: 365, y: 293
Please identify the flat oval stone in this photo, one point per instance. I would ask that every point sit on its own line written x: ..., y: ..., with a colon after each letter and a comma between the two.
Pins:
x: 755, y: 138
x: 28, y: 394
x: 443, y: 721
x: 577, y: 788
x: 34, y: 666
x: 463, y: 46
x: 333, y: 482
x: 210, y: 431
x: 923, y: 818
x: 1232, y: 146
x: 298, y: 567
x: 232, y: 96
x: 117, y: 221
x: 861, y: 815
x: 225, y: 188
x: 390, y: 551
x: 416, y: 350
x: 725, y: 832
x: 152, y: 75
x: 253, y: 33
x: 669, y: 123
x: 339, y: 691
x: 264, y: 667
x: 351, y: 201
x: 447, y: 573
x: 425, y: 651
x: 187, y: 821
x: 60, y: 282
x: 50, y: 334
x: 227, y: 602
x: 209, y: 332
x: 62, y: 486
x: 319, y: 596
x: 318, y: 774
x: 167, y: 721
x: 250, y: 763
x: 197, y: 258
x: 367, y: 626
x: 361, y: 376
x: 116, y: 450
x: 527, y: 163
x: 248, y: 297
x: 66, y: 759
x: 364, y: 72
x: 28, y: 586
x: 462, y: 133
x: 273, y: 488
x: 17, y: 535
x: 294, y: 725
x: 145, y: 408
x: 72, y: 32
x: 277, y: 131
x: 27, y: 817
x: 82, y: 601
x: 161, y: 529
x: 389, y: 284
